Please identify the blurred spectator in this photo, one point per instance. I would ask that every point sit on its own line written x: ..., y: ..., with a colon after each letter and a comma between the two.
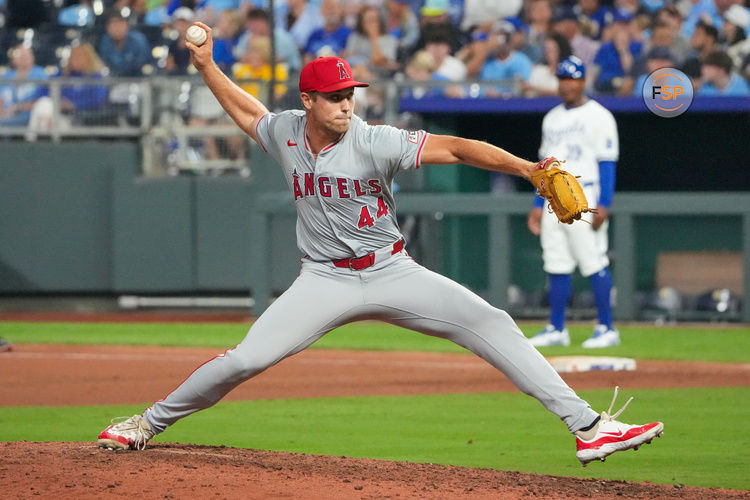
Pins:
x: 435, y: 17
x: 703, y: 11
x: 593, y: 18
x: 208, y: 10
x: 736, y: 22
x: 125, y: 51
x: 583, y: 47
x: 258, y: 23
x: 351, y: 10
x: 370, y: 50
x: 330, y: 40
x: 438, y: 45
x: 80, y: 13
x: 475, y: 53
x: 543, y: 78
x: 539, y: 24
x: 156, y: 13
x: 16, y: 100
x: 641, y: 15
x: 300, y: 20
x: 402, y: 23
x: 178, y: 56
x: 745, y: 67
x: 225, y: 35
x: 256, y: 65
x: 83, y: 62
x: 422, y: 67
x: 664, y: 34
x: 653, y: 6
x: 503, y: 62
x: 717, y: 78
x: 79, y: 103
x: 671, y: 15
x: 615, y: 58
x: 657, y: 58
x: 482, y: 13
x: 704, y: 41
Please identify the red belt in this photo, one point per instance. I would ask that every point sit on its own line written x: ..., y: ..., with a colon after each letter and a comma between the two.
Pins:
x: 358, y: 263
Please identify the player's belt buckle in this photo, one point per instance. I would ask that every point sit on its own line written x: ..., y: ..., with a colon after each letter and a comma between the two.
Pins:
x: 359, y: 263
x: 355, y: 264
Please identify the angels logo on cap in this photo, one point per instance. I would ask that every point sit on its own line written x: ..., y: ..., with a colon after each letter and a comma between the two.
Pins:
x: 343, y: 75
x: 327, y: 74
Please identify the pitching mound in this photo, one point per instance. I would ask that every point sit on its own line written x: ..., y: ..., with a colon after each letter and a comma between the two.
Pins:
x: 81, y: 470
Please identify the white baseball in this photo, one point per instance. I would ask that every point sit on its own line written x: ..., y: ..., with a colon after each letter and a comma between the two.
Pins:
x: 196, y: 35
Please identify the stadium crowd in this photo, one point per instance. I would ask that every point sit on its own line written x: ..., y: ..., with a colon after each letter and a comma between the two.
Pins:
x: 514, y: 45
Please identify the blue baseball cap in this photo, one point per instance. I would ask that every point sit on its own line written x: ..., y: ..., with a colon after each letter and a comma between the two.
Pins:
x: 571, y: 67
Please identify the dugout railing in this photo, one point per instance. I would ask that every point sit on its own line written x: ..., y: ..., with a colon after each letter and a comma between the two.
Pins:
x: 499, y: 209
x: 177, y: 121
x: 181, y: 127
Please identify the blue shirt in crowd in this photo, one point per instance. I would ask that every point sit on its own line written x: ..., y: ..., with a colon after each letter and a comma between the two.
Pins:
x: 609, y: 62
x: 335, y: 40
x: 14, y: 94
x: 84, y: 96
x: 738, y: 86
x: 599, y: 20
x: 517, y: 65
x: 223, y: 53
x: 135, y: 53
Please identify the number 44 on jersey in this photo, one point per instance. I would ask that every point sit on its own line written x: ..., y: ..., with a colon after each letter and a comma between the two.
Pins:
x: 365, y: 219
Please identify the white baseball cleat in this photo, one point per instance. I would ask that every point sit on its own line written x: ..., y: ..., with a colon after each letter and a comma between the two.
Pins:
x: 550, y: 336
x: 133, y: 433
x: 609, y: 436
x: 602, y: 337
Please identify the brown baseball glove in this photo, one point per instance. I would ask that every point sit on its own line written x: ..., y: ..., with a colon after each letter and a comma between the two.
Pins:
x: 561, y: 189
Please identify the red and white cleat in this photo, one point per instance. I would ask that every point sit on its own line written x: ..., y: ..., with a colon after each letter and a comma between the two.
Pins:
x: 610, y: 436
x: 133, y: 433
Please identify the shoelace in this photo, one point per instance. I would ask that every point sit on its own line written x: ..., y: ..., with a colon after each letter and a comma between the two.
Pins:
x: 132, y: 424
x: 607, y: 415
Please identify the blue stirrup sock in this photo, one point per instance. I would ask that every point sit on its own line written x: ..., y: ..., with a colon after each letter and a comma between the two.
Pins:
x: 560, y: 290
x: 601, y: 283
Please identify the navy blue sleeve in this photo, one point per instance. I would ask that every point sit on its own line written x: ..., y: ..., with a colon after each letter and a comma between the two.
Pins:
x: 606, y: 183
x: 538, y: 201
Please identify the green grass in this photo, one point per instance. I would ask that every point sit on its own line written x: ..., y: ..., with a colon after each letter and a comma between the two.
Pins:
x: 640, y: 341
x: 706, y: 441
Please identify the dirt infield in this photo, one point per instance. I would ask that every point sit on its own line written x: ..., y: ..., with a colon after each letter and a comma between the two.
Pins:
x: 80, y: 375
x: 49, y: 375
x: 80, y: 470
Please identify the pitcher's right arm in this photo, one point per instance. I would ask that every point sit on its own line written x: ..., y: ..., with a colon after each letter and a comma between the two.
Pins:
x: 243, y: 108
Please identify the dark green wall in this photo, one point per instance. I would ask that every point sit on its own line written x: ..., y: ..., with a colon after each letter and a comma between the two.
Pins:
x: 76, y: 217
x: 56, y: 214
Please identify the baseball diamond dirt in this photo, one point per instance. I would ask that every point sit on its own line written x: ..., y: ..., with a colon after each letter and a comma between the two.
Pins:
x: 81, y: 470
x: 31, y: 375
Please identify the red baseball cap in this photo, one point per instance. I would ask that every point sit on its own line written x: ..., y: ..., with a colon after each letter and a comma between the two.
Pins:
x: 327, y: 74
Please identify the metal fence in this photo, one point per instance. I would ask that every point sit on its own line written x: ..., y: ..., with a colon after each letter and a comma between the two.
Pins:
x: 177, y: 120
x: 626, y: 208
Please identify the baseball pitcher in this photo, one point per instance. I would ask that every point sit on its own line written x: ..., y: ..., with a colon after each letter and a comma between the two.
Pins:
x: 340, y: 173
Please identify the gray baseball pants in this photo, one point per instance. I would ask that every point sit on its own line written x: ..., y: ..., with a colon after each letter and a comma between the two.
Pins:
x: 396, y: 290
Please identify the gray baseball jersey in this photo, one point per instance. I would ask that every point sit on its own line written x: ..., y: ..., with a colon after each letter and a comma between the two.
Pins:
x: 344, y: 198
x: 345, y: 208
